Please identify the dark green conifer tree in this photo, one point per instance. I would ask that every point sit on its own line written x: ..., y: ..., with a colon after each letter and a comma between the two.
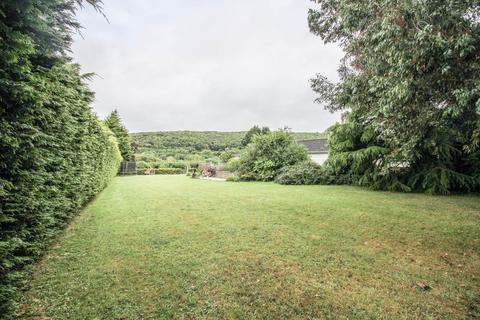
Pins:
x: 114, y: 122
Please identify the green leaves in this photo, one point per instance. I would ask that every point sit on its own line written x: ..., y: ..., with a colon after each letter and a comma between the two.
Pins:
x: 411, y: 82
x: 255, y: 130
x: 268, y: 153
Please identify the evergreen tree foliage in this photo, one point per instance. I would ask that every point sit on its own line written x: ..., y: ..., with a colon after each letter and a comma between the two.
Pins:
x: 114, y: 122
x: 255, y: 130
x: 55, y: 154
x: 410, y: 92
x: 268, y: 153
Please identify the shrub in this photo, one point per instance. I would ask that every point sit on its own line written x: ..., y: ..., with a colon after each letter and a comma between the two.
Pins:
x: 142, y: 165
x: 209, y: 171
x: 268, y: 153
x: 234, y: 179
x: 233, y: 164
x: 301, y: 173
x: 194, y: 164
x: 226, y: 155
x: 212, y: 161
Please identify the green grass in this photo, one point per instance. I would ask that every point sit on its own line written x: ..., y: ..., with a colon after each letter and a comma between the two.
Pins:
x: 162, y: 247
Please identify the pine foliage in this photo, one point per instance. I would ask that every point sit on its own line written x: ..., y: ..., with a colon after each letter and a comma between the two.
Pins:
x: 114, y: 122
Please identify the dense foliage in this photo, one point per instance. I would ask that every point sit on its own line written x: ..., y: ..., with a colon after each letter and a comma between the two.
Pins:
x: 248, y: 138
x: 410, y: 90
x: 191, y: 140
x: 306, y: 172
x: 226, y: 155
x: 233, y: 164
x: 268, y: 153
x: 114, y: 122
x: 186, y: 148
x: 55, y: 154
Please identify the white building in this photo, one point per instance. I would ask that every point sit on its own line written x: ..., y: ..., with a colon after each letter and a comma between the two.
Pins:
x: 317, y: 149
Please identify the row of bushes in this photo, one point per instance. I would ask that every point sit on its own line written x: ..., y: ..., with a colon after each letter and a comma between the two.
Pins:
x: 164, y: 171
x: 55, y: 154
x: 158, y: 164
x: 302, y: 173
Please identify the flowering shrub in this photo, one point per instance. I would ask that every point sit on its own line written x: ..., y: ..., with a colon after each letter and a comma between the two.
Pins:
x: 209, y: 171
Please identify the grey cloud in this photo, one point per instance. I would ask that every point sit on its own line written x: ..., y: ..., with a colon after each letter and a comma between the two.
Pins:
x: 206, y: 65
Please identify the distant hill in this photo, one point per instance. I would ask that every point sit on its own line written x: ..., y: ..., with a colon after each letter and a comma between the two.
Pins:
x: 176, y: 149
x: 200, y: 140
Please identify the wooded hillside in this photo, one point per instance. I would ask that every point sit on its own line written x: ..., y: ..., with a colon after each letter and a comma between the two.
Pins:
x: 180, y: 148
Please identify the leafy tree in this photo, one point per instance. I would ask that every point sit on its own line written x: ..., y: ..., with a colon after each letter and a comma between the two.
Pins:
x: 255, y: 130
x: 226, y: 155
x: 114, y: 122
x: 268, y: 153
x: 409, y: 89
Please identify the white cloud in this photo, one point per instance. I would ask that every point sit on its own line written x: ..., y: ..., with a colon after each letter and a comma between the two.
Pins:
x: 206, y: 64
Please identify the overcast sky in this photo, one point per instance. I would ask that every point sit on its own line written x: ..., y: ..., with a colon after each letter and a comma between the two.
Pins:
x: 206, y: 64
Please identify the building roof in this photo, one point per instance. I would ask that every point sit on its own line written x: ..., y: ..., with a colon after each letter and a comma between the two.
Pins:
x: 315, y: 145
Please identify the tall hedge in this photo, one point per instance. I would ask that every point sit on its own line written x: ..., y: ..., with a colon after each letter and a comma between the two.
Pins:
x: 55, y: 154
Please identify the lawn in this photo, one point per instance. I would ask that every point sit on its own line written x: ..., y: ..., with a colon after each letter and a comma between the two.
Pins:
x: 162, y: 247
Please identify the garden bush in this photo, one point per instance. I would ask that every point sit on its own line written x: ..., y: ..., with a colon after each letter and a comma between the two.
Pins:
x: 226, y: 155
x: 306, y: 172
x: 142, y: 165
x: 233, y: 164
x: 234, y: 179
x: 268, y: 153
x: 209, y: 171
x: 55, y: 154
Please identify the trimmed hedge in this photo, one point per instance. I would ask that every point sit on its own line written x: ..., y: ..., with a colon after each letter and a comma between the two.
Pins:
x: 169, y: 171
x: 55, y: 154
x: 163, y: 171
